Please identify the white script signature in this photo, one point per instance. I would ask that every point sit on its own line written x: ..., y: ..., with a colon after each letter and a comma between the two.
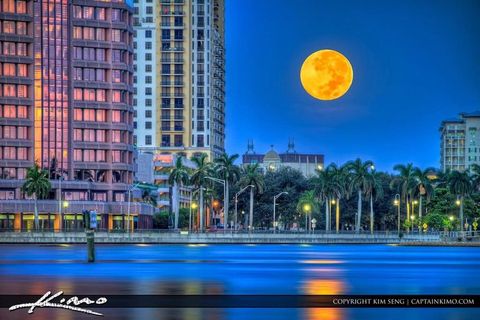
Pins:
x: 46, y: 301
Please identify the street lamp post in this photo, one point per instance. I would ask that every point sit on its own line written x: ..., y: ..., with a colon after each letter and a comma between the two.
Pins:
x: 274, y: 205
x: 414, y: 203
x: 307, y: 208
x: 397, y: 203
x: 459, y: 203
x: 236, y: 202
x: 193, y: 206
x: 129, y: 195
x: 225, y: 210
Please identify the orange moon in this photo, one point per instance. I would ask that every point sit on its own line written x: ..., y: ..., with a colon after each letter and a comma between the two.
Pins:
x: 326, y: 74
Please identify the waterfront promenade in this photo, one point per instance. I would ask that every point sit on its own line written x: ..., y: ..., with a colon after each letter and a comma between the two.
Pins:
x: 183, y: 237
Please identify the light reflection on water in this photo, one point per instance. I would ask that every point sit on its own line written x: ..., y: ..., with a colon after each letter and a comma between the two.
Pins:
x: 242, y: 269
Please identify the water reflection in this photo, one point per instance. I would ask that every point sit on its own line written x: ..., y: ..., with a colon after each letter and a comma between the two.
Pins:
x: 241, y: 269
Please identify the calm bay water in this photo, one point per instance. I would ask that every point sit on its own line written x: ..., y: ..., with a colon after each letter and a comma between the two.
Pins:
x: 241, y: 269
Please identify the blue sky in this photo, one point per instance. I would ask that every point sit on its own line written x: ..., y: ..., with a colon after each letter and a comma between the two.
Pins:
x: 416, y: 62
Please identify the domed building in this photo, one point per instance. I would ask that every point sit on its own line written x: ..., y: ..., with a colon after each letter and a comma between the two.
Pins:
x: 272, y: 160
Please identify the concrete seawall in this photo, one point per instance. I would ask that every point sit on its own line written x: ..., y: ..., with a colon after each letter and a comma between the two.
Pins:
x: 210, y: 238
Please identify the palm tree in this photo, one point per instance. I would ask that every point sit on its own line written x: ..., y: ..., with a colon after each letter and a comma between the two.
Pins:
x: 251, y: 175
x: 321, y: 188
x: 307, y: 198
x: 423, y: 186
x: 374, y: 190
x: 226, y: 168
x: 340, y: 189
x: 199, y: 179
x: 148, y: 198
x: 327, y: 187
x: 460, y: 183
x: 178, y: 177
x: 475, y: 170
x: 37, y: 185
x: 359, y: 172
x: 405, y: 183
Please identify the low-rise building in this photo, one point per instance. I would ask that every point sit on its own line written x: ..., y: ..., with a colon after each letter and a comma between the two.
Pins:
x: 155, y: 169
x: 306, y: 163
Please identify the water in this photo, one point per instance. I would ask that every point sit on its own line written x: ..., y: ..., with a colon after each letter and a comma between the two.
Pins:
x: 242, y: 269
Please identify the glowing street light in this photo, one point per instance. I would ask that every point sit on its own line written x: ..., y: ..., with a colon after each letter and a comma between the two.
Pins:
x: 451, y: 218
x: 65, y: 204
x: 193, y: 206
x: 396, y: 202
x: 307, y: 208
x: 414, y: 203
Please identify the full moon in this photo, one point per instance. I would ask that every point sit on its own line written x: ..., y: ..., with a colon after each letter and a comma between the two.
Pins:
x: 326, y: 74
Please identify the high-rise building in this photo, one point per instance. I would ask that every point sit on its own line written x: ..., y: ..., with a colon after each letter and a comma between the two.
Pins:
x: 179, y: 76
x: 460, y: 142
x: 66, y: 94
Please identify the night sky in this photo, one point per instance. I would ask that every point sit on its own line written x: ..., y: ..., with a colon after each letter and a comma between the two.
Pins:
x: 415, y: 63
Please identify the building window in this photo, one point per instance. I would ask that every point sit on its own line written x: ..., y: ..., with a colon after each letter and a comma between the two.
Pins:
x: 116, y: 35
x: 166, y: 125
x: 178, y: 140
x: 148, y: 125
x: 148, y: 140
x: 165, y: 140
x: 88, y: 13
x: 200, y: 141
x: 116, y: 136
x: 148, y: 33
x: 116, y: 15
x: 116, y: 116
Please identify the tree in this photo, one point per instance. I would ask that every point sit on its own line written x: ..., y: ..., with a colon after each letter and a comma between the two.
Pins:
x: 323, y: 190
x: 226, y: 168
x: 307, y: 200
x: 199, y: 179
x: 374, y: 190
x: 149, y: 198
x: 423, y: 186
x: 460, y: 184
x: 340, y: 188
x: 283, y: 179
x: 405, y: 183
x: 178, y: 177
x: 475, y: 170
x: 359, y: 172
x: 251, y: 175
x: 37, y: 185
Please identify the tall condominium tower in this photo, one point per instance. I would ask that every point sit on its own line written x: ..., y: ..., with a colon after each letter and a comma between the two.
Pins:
x: 460, y: 142
x: 179, y: 76
x: 66, y: 94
